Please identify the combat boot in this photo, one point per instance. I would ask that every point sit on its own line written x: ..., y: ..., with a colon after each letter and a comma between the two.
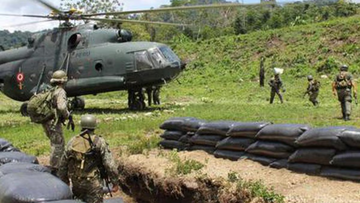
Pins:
x: 347, y: 117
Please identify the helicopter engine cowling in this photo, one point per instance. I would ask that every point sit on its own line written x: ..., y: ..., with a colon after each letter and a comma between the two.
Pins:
x: 124, y: 35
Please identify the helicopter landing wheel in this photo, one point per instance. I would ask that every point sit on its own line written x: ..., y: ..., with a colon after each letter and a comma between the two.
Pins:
x: 23, y: 109
x: 77, y: 103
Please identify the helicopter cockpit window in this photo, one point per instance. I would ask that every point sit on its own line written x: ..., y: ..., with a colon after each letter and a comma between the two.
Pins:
x: 156, y: 56
x: 169, y: 54
x: 142, y: 61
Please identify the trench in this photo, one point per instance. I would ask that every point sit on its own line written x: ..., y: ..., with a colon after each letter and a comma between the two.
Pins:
x: 145, y: 186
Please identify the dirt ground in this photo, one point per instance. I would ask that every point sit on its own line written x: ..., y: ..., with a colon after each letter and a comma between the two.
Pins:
x: 297, y: 188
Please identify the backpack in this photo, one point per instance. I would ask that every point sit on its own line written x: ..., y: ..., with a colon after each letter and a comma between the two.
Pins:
x: 343, y: 80
x: 40, y: 107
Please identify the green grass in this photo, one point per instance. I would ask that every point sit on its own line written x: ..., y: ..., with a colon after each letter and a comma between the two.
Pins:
x: 182, y: 167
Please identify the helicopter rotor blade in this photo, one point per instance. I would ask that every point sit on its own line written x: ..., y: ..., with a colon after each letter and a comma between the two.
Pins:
x: 134, y: 21
x: 28, y: 23
x: 19, y: 15
x: 48, y: 5
x: 179, y: 8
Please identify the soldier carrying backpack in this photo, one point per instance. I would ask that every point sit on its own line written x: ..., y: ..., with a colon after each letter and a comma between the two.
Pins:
x: 312, y: 90
x: 86, y: 161
x: 342, y: 86
x: 50, y: 109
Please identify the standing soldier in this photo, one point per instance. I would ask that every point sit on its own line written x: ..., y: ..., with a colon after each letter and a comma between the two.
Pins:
x: 342, y: 85
x: 149, y: 91
x: 276, y: 84
x: 86, y: 161
x: 312, y: 90
x: 262, y: 72
x: 53, y: 127
x: 156, y: 95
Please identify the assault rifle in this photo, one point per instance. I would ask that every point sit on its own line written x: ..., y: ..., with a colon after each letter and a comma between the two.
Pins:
x: 95, y: 152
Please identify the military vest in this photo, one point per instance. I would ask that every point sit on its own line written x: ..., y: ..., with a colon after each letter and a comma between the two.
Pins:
x: 314, y: 86
x: 343, y: 80
x: 84, y: 158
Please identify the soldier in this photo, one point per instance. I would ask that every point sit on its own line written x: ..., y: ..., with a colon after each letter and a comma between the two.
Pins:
x: 262, y: 72
x: 149, y: 91
x: 86, y: 161
x: 53, y: 127
x: 342, y: 85
x: 276, y: 84
x: 156, y: 95
x: 312, y: 90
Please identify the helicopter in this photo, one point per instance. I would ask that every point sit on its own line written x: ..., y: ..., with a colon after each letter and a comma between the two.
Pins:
x: 96, y: 60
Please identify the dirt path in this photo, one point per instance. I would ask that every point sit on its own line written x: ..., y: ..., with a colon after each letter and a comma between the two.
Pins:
x: 295, y: 187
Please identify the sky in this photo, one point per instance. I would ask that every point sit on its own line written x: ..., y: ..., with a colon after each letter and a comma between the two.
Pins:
x: 34, y: 8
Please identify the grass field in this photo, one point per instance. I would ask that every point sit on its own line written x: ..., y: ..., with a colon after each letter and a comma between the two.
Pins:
x: 233, y: 101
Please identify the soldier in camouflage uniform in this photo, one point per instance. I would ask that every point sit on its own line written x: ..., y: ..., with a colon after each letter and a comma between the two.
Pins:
x: 312, y: 90
x: 342, y: 86
x: 83, y: 156
x: 276, y: 84
x: 53, y: 127
x: 156, y: 95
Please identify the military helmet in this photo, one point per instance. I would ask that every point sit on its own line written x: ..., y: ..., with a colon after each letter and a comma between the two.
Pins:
x: 58, y: 76
x: 88, y: 122
x: 310, y: 77
x: 344, y: 67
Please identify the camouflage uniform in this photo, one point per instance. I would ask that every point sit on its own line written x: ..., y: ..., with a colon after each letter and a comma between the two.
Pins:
x: 262, y: 72
x: 53, y: 128
x: 313, y: 91
x: 276, y: 84
x: 80, y: 163
x: 343, y: 84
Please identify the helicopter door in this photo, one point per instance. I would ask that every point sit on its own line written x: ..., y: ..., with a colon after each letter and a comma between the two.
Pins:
x: 142, y: 61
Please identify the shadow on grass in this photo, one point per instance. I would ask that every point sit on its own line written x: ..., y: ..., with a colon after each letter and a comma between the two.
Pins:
x: 126, y: 110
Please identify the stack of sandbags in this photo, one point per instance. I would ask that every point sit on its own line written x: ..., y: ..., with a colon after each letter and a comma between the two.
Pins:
x: 317, y: 148
x: 240, y: 136
x: 346, y: 164
x: 178, y: 131
x: 209, y: 134
x: 276, y: 142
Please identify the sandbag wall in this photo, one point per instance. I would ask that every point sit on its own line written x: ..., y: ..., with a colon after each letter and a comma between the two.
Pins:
x: 327, y: 151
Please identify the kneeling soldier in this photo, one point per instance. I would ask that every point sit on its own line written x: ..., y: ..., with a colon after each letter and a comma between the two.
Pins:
x: 86, y: 161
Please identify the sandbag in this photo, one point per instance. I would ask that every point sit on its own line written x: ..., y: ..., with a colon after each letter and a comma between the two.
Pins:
x: 32, y: 187
x: 342, y: 173
x: 10, y: 149
x: 323, y: 137
x: 208, y: 149
x: 246, y: 129
x: 16, y: 167
x: 272, y: 149
x: 235, y: 143
x: 351, y: 137
x: 266, y: 161
x: 228, y: 154
x: 209, y: 140
x: 186, y: 138
x: 173, y: 144
x: 312, y: 169
x: 7, y: 157
x: 182, y: 124
x: 172, y: 135
x: 347, y: 159
x: 312, y: 155
x: 215, y: 128
x: 4, y: 144
x: 286, y: 133
x: 278, y: 164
